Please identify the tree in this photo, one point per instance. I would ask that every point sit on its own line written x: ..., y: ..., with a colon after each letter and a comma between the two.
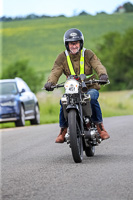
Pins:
x: 83, y: 13
x: 128, y: 7
x: 23, y: 70
x: 102, y: 12
x: 124, y: 58
x: 116, y: 54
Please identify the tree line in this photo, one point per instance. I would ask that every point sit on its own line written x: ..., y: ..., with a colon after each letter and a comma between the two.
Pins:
x: 126, y: 8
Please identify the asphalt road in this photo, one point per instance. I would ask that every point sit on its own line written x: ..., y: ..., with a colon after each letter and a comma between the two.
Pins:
x: 36, y: 168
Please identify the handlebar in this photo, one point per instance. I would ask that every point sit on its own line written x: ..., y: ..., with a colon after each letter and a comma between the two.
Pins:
x: 100, y: 82
x: 90, y: 82
x: 57, y: 86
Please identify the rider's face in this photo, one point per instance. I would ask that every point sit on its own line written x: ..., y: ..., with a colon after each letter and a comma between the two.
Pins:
x: 74, y: 47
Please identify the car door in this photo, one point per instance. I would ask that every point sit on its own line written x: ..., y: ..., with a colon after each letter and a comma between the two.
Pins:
x: 27, y: 98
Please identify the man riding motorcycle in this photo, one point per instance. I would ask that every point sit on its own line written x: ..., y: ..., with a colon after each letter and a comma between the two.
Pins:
x: 74, y: 61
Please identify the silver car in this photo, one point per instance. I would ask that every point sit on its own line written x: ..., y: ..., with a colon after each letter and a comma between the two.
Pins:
x: 18, y: 103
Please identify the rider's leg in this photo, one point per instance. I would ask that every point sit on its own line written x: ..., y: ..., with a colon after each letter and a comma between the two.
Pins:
x: 63, y: 124
x: 97, y: 114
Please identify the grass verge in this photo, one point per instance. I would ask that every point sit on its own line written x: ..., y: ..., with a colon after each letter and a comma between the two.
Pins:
x: 116, y: 103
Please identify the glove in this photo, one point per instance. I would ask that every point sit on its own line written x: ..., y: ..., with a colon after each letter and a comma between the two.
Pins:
x: 103, y: 77
x: 48, y: 86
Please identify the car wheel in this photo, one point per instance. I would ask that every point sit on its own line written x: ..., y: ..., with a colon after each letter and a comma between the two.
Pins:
x: 36, y: 120
x: 21, y: 121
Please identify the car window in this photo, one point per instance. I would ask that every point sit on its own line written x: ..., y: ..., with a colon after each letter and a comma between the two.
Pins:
x: 7, y: 88
x: 22, y: 85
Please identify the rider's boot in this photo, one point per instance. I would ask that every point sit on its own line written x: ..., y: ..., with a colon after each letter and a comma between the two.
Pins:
x: 61, y: 136
x: 101, y: 130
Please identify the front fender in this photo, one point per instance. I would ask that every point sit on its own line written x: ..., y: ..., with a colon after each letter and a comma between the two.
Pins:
x: 72, y: 107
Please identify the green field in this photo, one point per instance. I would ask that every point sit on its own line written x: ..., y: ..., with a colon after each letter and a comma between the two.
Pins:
x: 112, y: 104
x: 41, y: 40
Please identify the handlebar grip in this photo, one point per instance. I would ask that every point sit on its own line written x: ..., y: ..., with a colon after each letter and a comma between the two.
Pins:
x: 53, y: 86
x: 103, y: 82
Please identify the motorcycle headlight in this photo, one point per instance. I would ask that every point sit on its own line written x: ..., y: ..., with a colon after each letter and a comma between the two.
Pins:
x: 71, y: 86
x: 8, y: 103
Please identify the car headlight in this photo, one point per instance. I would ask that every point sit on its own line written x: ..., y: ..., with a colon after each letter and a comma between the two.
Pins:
x: 71, y: 86
x: 8, y: 103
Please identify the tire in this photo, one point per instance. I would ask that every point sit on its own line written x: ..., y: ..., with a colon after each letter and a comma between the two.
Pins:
x: 36, y: 120
x: 76, y: 143
x: 21, y: 121
x: 90, y: 151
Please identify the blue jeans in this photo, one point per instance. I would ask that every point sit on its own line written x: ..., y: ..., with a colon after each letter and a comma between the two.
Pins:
x: 96, y: 110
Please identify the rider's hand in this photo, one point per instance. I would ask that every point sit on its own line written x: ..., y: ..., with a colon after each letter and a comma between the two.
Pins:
x: 103, y: 77
x: 48, y: 86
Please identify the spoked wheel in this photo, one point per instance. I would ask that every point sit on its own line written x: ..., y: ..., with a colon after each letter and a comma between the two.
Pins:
x: 76, y: 143
x: 90, y: 151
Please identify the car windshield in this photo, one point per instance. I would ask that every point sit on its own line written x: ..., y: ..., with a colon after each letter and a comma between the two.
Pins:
x: 7, y: 88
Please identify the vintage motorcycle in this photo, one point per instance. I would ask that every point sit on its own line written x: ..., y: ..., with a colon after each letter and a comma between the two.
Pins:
x: 82, y: 134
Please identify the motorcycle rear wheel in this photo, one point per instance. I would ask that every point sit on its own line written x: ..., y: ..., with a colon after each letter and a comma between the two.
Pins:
x: 90, y: 151
x: 76, y: 142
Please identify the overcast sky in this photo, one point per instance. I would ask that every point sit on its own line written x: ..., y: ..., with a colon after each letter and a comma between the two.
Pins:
x: 57, y: 7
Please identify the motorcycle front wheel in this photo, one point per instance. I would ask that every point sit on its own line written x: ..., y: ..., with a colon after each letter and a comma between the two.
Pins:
x: 76, y: 142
